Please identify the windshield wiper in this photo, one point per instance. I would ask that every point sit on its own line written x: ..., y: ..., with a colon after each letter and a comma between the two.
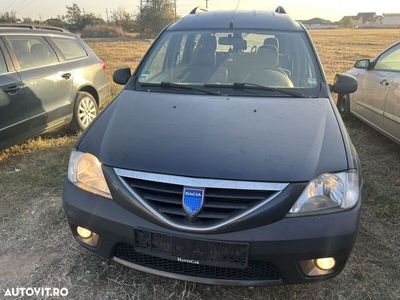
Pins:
x: 247, y: 85
x: 175, y: 85
x: 254, y: 86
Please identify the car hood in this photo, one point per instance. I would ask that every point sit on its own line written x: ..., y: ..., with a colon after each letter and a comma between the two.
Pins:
x: 237, y: 138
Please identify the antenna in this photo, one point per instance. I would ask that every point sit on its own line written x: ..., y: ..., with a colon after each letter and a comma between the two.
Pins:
x: 234, y: 14
x: 280, y: 10
x: 237, y: 6
x: 197, y: 10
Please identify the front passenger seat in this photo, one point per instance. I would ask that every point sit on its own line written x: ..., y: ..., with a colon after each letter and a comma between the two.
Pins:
x: 283, y: 61
x: 40, y: 55
x: 21, y: 50
x: 267, y: 72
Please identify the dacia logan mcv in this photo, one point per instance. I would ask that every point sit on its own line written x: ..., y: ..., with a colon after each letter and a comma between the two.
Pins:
x: 223, y: 160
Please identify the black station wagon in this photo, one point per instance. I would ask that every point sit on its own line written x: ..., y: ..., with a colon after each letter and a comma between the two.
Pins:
x: 48, y: 78
x: 223, y: 160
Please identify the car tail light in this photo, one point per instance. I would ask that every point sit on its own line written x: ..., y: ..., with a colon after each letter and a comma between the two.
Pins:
x: 103, y: 64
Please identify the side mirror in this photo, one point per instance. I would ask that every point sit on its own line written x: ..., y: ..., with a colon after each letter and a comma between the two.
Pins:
x: 362, y: 64
x: 344, y: 84
x: 121, y: 76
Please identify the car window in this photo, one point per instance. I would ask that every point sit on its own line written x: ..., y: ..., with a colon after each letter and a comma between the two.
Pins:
x: 274, y: 59
x: 31, y: 51
x: 3, y: 65
x: 157, y: 63
x: 389, y: 60
x: 70, y: 48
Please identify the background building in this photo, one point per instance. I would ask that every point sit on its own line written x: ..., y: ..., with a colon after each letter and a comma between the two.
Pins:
x: 391, y: 19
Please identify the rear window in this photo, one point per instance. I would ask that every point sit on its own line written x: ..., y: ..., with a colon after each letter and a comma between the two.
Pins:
x: 70, y: 48
x: 32, y: 51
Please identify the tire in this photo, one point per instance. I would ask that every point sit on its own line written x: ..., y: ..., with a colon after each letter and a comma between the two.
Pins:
x: 85, y: 111
x: 343, y: 105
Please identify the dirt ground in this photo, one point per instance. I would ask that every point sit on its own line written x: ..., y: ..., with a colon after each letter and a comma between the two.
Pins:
x: 37, y: 249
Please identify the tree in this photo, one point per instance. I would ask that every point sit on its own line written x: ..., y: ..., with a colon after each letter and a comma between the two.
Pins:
x: 73, y: 17
x: 124, y: 19
x: 56, y: 22
x: 27, y: 20
x: 346, y: 22
x: 76, y: 20
x: 90, y: 19
x: 155, y: 15
x: 8, y: 17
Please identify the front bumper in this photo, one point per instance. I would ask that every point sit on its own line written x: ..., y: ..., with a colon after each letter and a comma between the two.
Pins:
x: 282, y: 244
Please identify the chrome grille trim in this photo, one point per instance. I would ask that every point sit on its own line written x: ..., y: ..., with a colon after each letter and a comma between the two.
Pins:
x: 199, y: 182
x: 202, y: 182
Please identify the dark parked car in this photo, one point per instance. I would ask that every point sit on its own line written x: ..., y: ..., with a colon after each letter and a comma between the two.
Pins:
x: 377, y: 101
x: 224, y: 160
x: 48, y: 77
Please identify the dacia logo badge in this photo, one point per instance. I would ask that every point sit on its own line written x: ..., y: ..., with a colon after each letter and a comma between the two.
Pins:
x: 192, y: 201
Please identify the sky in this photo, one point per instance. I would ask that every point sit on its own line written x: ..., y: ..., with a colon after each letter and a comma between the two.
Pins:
x: 298, y: 9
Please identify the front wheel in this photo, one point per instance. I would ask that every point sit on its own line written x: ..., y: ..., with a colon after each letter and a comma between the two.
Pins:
x: 85, y: 111
x: 343, y: 105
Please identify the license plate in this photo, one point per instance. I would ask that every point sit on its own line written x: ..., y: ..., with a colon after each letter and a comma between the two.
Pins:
x: 202, y: 252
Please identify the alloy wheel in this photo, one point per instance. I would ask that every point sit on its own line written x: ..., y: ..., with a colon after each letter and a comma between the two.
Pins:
x: 87, y: 111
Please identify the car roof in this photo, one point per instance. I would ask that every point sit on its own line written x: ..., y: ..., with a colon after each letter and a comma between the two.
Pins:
x: 32, y: 30
x: 258, y: 20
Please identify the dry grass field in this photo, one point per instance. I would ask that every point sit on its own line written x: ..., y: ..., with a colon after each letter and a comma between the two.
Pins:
x: 37, y: 249
x: 339, y: 49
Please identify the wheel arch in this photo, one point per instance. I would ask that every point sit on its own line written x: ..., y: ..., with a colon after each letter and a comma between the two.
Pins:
x: 88, y: 88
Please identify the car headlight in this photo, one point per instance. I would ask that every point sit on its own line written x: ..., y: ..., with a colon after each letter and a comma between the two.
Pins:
x: 329, y: 192
x: 84, y: 170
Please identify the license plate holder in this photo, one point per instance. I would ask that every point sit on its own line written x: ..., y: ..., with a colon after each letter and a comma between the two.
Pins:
x: 195, y: 251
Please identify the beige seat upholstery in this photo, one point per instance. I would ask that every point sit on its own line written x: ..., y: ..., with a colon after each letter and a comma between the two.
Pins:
x: 266, y: 72
x: 283, y: 61
x: 204, y: 67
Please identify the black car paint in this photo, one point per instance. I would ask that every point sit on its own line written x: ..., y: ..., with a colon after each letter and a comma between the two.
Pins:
x: 238, y: 138
x: 272, y: 212
x: 285, y: 240
x: 231, y: 20
x: 283, y: 243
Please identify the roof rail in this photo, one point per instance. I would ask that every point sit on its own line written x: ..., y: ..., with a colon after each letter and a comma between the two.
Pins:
x: 45, y: 27
x: 280, y: 10
x: 197, y: 10
x: 33, y: 27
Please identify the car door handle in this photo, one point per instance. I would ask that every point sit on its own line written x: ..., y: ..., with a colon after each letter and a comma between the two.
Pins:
x: 66, y: 76
x: 384, y: 82
x: 12, y: 90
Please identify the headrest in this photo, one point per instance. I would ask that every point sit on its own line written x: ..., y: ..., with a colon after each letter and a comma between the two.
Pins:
x: 39, y: 50
x: 272, y: 42
x: 208, y: 42
x: 20, y: 46
x: 205, y: 54
x: 268, y: 56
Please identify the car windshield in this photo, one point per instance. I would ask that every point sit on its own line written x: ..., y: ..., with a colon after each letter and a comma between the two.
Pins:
x: 225, y: 59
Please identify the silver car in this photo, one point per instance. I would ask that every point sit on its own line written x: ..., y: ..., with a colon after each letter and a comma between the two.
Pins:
x: 377, y: 101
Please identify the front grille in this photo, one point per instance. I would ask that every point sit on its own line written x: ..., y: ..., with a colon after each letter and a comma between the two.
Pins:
x: 219, y: 203
x: 256, y: 270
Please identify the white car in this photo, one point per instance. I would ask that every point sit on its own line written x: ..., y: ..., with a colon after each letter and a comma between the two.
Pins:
x: 377, y: 100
